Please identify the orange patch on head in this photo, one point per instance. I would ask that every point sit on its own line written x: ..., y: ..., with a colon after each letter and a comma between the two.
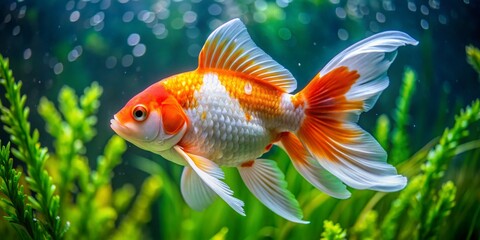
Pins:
x: 173, y: 116
x: 150, y: 98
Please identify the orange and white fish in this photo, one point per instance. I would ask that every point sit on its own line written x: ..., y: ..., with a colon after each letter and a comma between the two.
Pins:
x: 237, y: 103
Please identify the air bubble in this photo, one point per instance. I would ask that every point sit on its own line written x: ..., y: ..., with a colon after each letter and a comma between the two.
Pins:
x: 342, y: 34
x: 189, y: 17
x: 22, y: 12
x: 163, y: 14
x: 74, y: 16
x: 380, y: 17
x: 424, y: 24
x: 260, y: 5
x: 70, y: 5
x: 146, y: 16
x: 58, y: 68
x: 75, y: 53
x: 111, y: 62
x: 412, y: 7
x: 13, y: 6
x: 27, y: 53
x: 7, y: 18
x: 214, y: 9
x: 128, y: 16
x: 133, y: 39
x: 177, y: 23
x: 304, y: 18
x: 105, y: 4
x: 158, y: 29
x: 127, y: 60
x: 139, y: 50
x: 284, y: 33
x: 282, y: 3
x: 97, y: 18
x: 16, y: 30
x: 442, y: 19
x: 435, y: 4
x: 340, y: 12
x: 259, y: 17
x: 424, y: 10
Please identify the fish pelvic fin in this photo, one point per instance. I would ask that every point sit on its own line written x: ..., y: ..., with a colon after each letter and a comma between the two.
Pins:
x: 349, y: 85
x: 211, y: 175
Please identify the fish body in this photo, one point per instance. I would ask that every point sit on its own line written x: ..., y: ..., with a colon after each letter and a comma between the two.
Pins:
x: 232, y: 119
x: 239, y: 102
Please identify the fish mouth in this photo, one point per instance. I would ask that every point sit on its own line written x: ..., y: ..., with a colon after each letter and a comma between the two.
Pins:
x: 129, y: 132
x: 118, y: 128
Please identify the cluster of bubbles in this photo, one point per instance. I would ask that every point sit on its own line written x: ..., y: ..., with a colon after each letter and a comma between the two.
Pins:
x: 164, y: 16
x: 359, y: 9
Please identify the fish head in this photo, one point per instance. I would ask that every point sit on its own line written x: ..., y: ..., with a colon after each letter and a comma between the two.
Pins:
x: 152, y: 120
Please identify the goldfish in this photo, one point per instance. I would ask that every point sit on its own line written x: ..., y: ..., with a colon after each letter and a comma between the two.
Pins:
x: 238, y: 103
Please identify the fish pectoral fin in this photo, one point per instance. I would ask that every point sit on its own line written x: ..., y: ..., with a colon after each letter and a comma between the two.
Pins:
x: 196, y: 193
x: 267, y: 183
x: 311, y: 170
x: 211, y: 175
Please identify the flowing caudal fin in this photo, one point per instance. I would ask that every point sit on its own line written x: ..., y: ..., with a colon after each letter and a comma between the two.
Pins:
x: 348, y: 85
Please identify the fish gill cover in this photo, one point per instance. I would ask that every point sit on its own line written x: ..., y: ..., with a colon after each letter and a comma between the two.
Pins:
x: 65, y: 175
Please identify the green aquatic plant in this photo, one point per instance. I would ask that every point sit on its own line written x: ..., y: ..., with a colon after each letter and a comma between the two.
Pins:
x: 84, y: 206
x: 473, y: 57
x: 28, y: 150
x: 95, y: 210
x: 19, y: 214
x: 72, y: 132
x: 333, y: 231
x: 382, y: 130
x: 400, y: 149
x: 427, y: 205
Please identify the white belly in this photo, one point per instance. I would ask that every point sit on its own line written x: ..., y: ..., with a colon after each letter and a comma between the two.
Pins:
x: 219, y: 129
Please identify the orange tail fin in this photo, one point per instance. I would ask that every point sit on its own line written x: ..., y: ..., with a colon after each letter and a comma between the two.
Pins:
x: 348, y: 85
x: 330, y: 133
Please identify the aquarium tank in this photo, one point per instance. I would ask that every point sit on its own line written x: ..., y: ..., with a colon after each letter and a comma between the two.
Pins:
x: 66, y: 67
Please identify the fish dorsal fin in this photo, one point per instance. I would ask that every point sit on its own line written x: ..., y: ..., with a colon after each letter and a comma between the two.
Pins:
x: 230, y: 48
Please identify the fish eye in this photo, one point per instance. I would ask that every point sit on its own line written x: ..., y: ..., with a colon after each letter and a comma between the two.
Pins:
x: 139, y: 113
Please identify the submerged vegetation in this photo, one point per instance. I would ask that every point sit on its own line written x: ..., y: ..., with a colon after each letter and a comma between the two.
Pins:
x: 56, y: 194
x: 72, y: 179
x: 59, y: 196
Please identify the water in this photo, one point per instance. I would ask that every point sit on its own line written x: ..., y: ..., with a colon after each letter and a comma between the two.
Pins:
x: 126, y: 45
